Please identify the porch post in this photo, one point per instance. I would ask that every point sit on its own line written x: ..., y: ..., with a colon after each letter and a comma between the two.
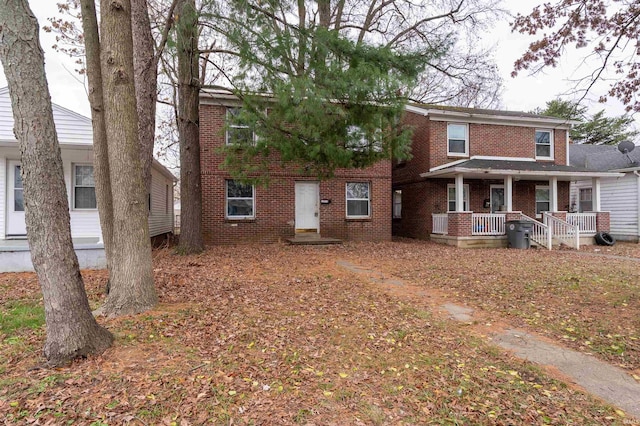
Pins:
x: 459, y: 193
x: 508, y: 193
x: 595, y: 194
x: 553, y: 194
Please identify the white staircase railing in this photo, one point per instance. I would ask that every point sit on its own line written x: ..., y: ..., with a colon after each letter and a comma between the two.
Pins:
x: 563, y: 232
x: 585, y: 221
x: 440, y: 223
x: 540, y: 233
x: 488, y: 224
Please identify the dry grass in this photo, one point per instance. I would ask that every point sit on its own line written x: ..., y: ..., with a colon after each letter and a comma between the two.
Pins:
x: 282, y: 335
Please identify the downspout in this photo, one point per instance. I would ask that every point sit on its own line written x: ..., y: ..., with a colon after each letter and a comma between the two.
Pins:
x: 635, y: 172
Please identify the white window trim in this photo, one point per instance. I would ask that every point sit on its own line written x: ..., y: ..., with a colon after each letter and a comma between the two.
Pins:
x: 73, y: 187
x: 466, y: 141
x: 580, y: 199
x: 465, y: 191
x: 346, y: 202
x: 394, y: 204
x: 551, y: 145
x: 226, y: 202
x: 548, y: 188
x: 235, y: 126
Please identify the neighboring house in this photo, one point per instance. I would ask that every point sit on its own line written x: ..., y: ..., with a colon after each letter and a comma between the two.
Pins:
x: 472, y: 170
x: 75, y: 138
x: 354, y: 205
x: 618, y: 195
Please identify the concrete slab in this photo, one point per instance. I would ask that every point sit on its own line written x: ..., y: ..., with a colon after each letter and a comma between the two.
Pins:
x: 610, y: 383
x: 459, y: 313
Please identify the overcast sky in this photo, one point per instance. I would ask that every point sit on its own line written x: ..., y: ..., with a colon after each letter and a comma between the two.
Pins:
x: 522, y: 93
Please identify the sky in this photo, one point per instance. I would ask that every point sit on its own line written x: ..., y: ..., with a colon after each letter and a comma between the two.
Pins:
x: 522, y: 93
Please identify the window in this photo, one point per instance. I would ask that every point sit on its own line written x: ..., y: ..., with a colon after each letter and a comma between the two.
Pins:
x: 238, y: 130
x: 586, y: 203
x: 458, y: 140
x: 84, y: 187
x: 357, y: 140
x: 542, y: 200
x: 358, y: 199
x: 451, y: 197
x: 18, y: 190
x: 544, y: 144
x: 240, y: 200
x: 397, y: 203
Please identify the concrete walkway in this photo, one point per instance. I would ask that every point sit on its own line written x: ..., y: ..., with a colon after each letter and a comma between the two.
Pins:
x: 599, y: 378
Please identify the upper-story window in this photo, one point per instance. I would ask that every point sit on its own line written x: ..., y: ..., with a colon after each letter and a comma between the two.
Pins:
x: 239, y: 132
x: 458, y: 140
x: 84, y: 187
x: 544, y: 144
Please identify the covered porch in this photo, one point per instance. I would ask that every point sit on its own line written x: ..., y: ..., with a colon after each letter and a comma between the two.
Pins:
x: 482, y: 197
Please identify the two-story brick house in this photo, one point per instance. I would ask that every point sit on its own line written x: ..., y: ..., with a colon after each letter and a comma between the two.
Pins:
x: 353, y: 205
x: 472, y: 170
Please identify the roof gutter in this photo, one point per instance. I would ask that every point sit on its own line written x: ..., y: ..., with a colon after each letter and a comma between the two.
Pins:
x: 464, y: 170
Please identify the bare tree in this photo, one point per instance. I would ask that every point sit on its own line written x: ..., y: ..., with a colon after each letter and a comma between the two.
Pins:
x: 72, y: 330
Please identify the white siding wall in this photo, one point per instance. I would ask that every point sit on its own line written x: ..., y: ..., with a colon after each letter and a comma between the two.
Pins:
x: 3, y: 192
x: 72, y: 128
x: 161, y: 216
x: 619, y: 196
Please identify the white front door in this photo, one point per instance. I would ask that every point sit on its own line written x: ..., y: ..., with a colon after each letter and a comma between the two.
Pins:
x: 307, y: 213
x: 16, y: 226
x: 497, y: 198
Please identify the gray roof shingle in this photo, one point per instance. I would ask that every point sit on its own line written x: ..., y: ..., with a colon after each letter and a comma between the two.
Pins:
x: 602, y: 157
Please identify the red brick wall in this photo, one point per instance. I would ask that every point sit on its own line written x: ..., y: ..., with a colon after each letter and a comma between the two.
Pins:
x: 275, y: 204
x: 410, y: 170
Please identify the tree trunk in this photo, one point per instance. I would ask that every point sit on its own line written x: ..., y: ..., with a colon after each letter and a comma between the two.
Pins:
x: 189, y: 129
x: 146, y: 81
x: 100, y: 149
x: 72, y: 330
x: 132, y: 287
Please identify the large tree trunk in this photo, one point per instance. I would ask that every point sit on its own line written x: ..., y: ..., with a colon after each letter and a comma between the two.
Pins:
x: 146, y: 82
x: 132, y: 287
x: 189, y: 129
x: 100, y: 149
x: 72, y: 330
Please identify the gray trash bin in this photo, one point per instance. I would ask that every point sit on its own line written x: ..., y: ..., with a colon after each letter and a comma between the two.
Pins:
x: 518, y: 232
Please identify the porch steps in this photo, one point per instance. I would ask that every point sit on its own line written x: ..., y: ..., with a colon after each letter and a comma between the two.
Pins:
x: 312, y: 239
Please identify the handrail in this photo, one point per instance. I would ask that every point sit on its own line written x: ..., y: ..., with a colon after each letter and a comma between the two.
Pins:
x: 440, y: 223
x: 540, y: 233
x: 585, y: 221
x: 487, y: 224
x: 563, y: 231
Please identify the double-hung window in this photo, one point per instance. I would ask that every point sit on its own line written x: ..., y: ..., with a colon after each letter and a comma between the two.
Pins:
x: 586, y: 201
x: 543, y: 200
x: 84, y: 187
x: 358, y: 200
x: 458, y: 140
x: 544, y: 144
x: 451, y: 197
x: 397, y: 204
x: 240, y: 200
x: 239, y: 132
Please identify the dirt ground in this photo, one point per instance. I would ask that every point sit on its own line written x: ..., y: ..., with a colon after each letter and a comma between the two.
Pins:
x: 278, y: 334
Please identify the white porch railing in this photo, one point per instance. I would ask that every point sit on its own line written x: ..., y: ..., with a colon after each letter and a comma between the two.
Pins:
x: 585, y: 221
x: 488, y: 224
x: 562, y: 231
x: 440, y: 223
x: 540, y: 233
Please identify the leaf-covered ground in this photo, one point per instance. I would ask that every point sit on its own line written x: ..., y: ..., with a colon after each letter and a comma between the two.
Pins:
x: 277, y: 334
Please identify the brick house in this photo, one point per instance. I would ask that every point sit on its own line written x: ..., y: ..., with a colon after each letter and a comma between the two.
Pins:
x: 354, y: 205
x: 472, y: 170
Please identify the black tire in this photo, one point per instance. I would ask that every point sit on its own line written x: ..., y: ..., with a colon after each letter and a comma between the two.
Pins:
x: 604, y: 239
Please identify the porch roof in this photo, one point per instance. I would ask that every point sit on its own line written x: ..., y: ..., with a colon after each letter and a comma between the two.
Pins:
x: 530, y: 170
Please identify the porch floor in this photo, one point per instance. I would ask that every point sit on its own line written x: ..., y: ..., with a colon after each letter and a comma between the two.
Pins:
x: 312, y: 239
x: 21, y: 244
